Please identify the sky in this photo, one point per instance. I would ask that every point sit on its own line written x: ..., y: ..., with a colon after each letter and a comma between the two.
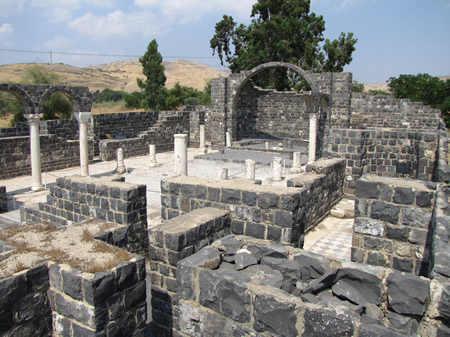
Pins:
x: 394, y: 36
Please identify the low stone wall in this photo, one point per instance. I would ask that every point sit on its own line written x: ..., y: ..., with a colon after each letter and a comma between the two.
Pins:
x: 324, y: 183
x: 385, y: 152
x: 172, y: 241
x: 160, y: 134
x: 440, y: 251
x: 111, y: 303
x: 443, y: 169
x: 280, y: 214
x: 56, y: 153
x: 393, y: 223
x: 3, y: 200
x: 245, y: 287
x: 24, y: 306
x: 75, y: 199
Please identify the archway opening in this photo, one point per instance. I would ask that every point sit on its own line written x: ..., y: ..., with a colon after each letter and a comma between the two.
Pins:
x: 58, y: 106
x: 11, y: 110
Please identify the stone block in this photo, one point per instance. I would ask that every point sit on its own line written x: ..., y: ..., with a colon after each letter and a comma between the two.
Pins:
x: 230, y: 196
x: 407, y: 294
x: 424, y: 199
x: 385, y: 212
x: 403, y: 195
x: 328, y: 322
x: 125, y: 275
x: 402, y: 264
x: 30, y: 307
x: 398, y: 233
x: 367, y: 189
x: 416, y: 217
x: 255, y: 230
x: 275, y: 316
x: 225, y: 294
x: 443, y: 306
x: 368, y: 226
x: 372, y: 330
x: 268, y: 200
x: 99, y: 288
x: 284, y: 219
x: 249, y: 198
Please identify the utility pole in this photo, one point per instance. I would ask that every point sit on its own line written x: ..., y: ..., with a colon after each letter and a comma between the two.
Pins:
x: 51, y: 57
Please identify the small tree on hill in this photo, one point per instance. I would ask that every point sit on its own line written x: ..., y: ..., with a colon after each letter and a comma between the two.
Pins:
x: 153, y: 86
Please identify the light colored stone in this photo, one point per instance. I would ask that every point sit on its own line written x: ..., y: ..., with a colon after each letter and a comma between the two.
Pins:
x: 277, y: 167
x: 35, y: 149
x: 250, y: 169
x: 180, y: 155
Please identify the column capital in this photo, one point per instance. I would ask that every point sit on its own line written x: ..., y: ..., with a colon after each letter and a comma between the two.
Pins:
x: 83, y: 117
x: 33, y: 118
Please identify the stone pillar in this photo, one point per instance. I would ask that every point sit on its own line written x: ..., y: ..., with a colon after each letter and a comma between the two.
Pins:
x: 222, y: 173
x: 296, y: 163
x: 266, y: 145
x: 120, y: 168
x: 228, y: 135
x: 152, y: 150
x: 83, y: 119
x: 202, y: 147
x: 312, y: 137
x: 180, y: 155
x: 277, y: 168
x: 250, y: 169
x: 35, y: 151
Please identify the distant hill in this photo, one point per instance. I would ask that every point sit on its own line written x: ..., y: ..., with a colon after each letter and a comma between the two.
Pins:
x: 120, y: 75
x: 384, y: 86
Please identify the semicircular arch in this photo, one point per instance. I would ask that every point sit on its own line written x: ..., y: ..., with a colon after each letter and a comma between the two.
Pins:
x: 66, y: 91
x: 18, y: 92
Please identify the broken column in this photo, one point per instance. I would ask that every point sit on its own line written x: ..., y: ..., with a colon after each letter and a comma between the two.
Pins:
x: 152, y: 150
x: 228, y: 135
x: 35, y: 150
x: 222, y: 173
x: 180, y: 154
x: 250, y: 169
x: 277, y: 168
x: 312, y: 137
x: 83, y: 119
x: 266, y: 145
x: 120, y: 168
x: 202, y: 147
x: 296, y: 163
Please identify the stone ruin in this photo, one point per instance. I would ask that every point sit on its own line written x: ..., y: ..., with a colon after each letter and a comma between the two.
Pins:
x: 228, y: 258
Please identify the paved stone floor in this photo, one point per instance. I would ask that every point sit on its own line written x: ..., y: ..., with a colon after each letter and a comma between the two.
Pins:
x: 331, y: 237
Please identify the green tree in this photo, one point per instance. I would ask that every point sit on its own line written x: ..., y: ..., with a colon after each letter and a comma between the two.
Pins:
x: 153, y: 86
x: 38, y: 74
x: 108, y: 95
x: 283, y: 31
x: 423, y: 88
x: 357, y: 87
x: 206, y: 94
x: 180, y: 95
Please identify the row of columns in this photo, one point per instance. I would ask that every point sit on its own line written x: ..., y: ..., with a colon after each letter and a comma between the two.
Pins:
x: 35, y: 146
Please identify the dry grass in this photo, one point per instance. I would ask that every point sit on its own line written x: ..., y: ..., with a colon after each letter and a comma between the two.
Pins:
x: 19, y: 267
x: 103, y: 247
x: 87, y: 236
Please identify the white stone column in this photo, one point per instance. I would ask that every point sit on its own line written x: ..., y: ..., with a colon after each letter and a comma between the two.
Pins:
x: 120, y: 168
x: 35, y: 151
x: 83, y: 119
x: 312, y: 137
x: 152, y: 151
x: 250, y: 169
x: 202, y: 147
x: 277, y: 168
x: 296, y: 163
x: 180, y: 155
x: 266, y: 145
x: 228, y: 135
x: 222, y: 173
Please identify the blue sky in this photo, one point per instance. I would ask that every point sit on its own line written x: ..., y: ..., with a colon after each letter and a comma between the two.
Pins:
x: 394, y: 36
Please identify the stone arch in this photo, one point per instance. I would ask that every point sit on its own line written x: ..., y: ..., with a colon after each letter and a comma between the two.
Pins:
x: 25, y: 99
x: 312, y: 98
x: 66, y: 91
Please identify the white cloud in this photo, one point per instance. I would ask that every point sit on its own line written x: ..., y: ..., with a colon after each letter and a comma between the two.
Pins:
x: 11, y: 7
x: 58, y: 43
x: 117, y: 24
x: 6, y: 31
x: 190, y: 10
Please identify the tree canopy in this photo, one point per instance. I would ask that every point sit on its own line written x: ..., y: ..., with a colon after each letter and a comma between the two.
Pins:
x: 423, y: 88
x: 281, y: 31
x: 153, y: 69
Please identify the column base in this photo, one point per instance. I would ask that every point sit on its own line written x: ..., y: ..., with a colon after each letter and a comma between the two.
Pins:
x: 37, y: 188
x: 155, y: 164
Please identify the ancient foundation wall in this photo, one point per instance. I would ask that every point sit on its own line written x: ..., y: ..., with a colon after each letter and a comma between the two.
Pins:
x: 3, y: 200
x: 24, y: 305
x: 280, y: 214
x: 56, y: 153
x: 387, y: 112
x: 171, y: 242
x: 160, y: 134
x: 394, y: 223
x: 243, y: 287
x: 385, y: 152
x: 265, y: 113
x: 75, y: 199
